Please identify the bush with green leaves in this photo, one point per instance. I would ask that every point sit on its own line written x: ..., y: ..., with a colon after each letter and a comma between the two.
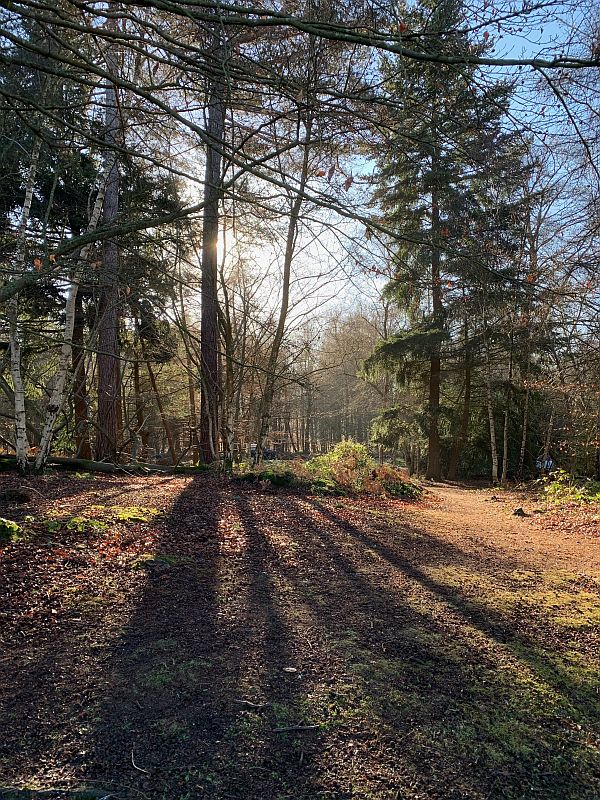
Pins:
x: 347, y: 469
x: 279, y: 473
x: 391, y: 481
x: 348, y: 464
x: 562, y: 487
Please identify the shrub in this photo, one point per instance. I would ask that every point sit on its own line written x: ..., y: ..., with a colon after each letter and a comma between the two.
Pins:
x: 561, y: 487
x: 346, y: 469
x: 277, y: 472
x: 277, y: 476
x: 349, y: 465
x: 391, y: 481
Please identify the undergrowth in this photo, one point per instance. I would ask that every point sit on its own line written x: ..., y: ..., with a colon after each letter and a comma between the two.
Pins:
x: 9, y: 531
x: 561, y: 487
x: 347, y: 469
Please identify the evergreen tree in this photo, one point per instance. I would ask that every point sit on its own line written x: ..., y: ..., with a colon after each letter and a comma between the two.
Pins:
x: 446, y: 154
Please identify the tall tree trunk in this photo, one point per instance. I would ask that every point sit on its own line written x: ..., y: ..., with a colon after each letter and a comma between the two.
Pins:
x: 524, y: 435
x: 193, y: 414
x: 73, y: 316
x: 459, y: 444
x: 507, y: 413
x: 21, y: 442
x: 140, y: 432
x: 489, y: 400
x: 492, y: 424
x: 80, y: 395
x: 434, y: 458
x: 290, y: 245
x: 109, y: 373
x: 229, y: 387
x: 209, y: 330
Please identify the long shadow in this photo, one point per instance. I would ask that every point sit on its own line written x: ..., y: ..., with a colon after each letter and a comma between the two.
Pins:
x: 500, y: 627
x: 52, y: 650
x: 125, y: 700
x: 203, y: 681
x: 256, y: 617
x: 273, y: 756
x: 155, y: 731
x: 398, y: 676
x: 408, y: 655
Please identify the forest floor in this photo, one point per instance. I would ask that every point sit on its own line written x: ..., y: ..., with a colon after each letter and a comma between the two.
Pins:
x: 176, y: 638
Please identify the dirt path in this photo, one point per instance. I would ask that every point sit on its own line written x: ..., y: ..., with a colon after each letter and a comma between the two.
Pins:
x: 486, y: 516
x: 249, y: 644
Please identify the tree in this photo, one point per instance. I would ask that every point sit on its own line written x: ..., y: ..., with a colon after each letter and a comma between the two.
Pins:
x: 446, y: 151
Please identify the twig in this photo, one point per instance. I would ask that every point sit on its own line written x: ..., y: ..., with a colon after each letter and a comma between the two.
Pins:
x: 296, y: 728
x: 31, y: 489
x: 145, y: 771
x: 250, y: 704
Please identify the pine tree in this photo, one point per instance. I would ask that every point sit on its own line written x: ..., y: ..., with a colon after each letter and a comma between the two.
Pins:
x: 446, y: 151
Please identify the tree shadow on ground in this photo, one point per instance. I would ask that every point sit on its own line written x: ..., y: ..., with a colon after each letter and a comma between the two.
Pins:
x: 203, y: 687
x: 470, y: 699
x: 267, y: 647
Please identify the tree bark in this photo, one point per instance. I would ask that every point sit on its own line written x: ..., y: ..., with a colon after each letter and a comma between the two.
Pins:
x: 492, y: 424
x: 209, y: 325
x: 109, y: 373
x: 193, y: 414
x: 80, y: 396
x: 72, y: 310
x: 163, y: 416
x: 507, y: 414
x: 434, y: 457
x: 21, y: 442
x: 524, y: 435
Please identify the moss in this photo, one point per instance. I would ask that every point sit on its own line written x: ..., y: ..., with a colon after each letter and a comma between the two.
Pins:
x: 133, y: 513
x: 552, y: 595
x: 181, y: 673
x: 159, y: 561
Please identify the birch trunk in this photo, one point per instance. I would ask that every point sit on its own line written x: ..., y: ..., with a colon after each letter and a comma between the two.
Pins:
x: 504, y: 477
x: 493, y: 446
x: 59, y: 392
x: 524, y: 436
x: 507, y: 413
x: 21, y: 442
